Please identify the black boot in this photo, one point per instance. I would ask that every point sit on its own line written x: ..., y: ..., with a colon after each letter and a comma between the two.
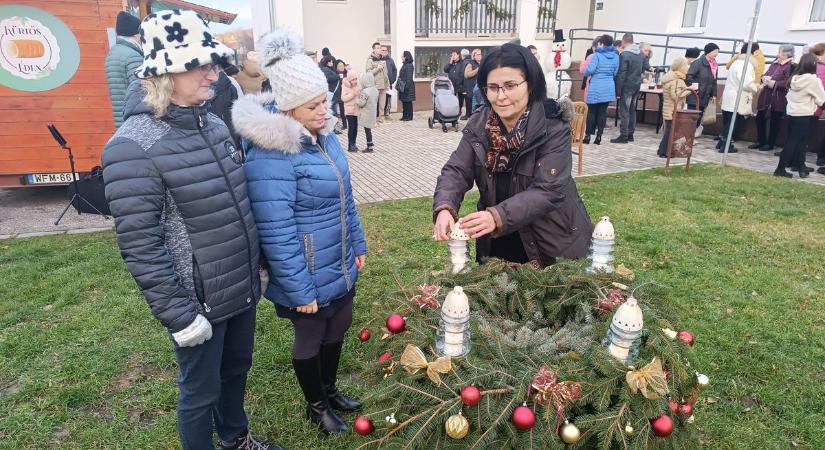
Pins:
x: 308, y: 372
x: 330, y: 355
x: 630, y: 137
x: 586, y: 139
x: 598, y: 140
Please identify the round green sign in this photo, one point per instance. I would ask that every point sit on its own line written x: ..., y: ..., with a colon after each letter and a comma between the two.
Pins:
x: 38, y: 52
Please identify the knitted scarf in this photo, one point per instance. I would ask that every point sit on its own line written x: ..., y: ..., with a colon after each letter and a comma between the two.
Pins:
x: 504, y: 146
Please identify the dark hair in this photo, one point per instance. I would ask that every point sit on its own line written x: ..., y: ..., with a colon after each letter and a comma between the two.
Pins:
x: 516, y: 57
x: 807, y: 64
x: 744, y: 49
x: 374, y: 44
x: 456, y: 51
x: 531, y: 47
x: 326, y: 60
x: 627, y: 38
x: 407, y: 57
x: 606, y: 40
x: 325, y: 51
x: 817, y: 49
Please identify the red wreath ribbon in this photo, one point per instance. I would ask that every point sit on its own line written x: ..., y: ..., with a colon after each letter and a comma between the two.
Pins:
x: 555, y: 394
x: 426, y: 297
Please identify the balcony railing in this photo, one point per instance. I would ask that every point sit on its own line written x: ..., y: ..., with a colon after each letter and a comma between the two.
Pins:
x: 546, y: 15
x: 468, y: 18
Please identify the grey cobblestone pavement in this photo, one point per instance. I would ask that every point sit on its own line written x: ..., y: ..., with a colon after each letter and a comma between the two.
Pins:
x: 405, y: 164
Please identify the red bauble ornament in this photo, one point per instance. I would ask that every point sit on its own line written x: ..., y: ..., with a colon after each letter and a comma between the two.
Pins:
x: 363, y: 426
x: 524, y: 418
x: 662, y: 426
x: 673, y: 406
x: 364, y: 335
x: 470, y: 395
x: 666, y: 373
x: 686, y: 337
x: 687, y: 409
x: 385, y: 357
x: 396, y: 323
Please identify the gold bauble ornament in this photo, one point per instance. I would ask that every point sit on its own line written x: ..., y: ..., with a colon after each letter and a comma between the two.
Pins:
x: 628, y: 430
x: 570, y: 433
x: 457, y: 426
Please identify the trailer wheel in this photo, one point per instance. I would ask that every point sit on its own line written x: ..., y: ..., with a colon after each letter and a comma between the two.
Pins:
x: 430, y: 122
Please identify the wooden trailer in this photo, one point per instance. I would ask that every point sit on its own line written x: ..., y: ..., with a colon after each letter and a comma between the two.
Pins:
x: 52, y: 55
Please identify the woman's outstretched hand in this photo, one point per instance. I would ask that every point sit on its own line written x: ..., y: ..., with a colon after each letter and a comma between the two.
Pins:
x: 478, y: 224
x: 310, y: 308
x: 443, y: 224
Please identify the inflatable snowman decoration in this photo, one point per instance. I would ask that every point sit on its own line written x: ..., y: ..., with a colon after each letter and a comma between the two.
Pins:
x: 558, y: 61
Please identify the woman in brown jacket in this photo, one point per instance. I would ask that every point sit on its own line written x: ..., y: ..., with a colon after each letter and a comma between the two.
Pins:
x: 517, y: 151
x: 675, y: 91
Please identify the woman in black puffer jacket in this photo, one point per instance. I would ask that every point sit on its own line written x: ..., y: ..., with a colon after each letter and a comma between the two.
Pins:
x: 184, y: 224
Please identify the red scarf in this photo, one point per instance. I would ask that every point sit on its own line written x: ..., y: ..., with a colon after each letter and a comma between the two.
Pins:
x: 504, y: 146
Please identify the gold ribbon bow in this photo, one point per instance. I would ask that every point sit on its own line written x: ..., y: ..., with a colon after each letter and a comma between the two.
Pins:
x: 413, y: 360
x: 650, y: 380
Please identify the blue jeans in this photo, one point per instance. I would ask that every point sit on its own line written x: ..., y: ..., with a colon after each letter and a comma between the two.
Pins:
x: 627, y: 114
x: 212, y: 383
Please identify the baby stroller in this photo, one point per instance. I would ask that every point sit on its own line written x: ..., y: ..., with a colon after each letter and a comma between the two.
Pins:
x: 445, y: 103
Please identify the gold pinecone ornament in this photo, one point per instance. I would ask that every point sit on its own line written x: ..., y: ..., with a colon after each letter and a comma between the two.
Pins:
x: 457, y: 426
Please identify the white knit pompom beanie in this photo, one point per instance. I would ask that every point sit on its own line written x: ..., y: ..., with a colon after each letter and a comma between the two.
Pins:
x: 295, y: 78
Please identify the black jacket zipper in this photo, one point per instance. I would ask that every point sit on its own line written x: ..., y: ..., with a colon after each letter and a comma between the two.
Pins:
x: 252, y: 274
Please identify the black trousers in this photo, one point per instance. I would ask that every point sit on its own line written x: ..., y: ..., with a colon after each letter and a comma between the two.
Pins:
x: 762, y: 129
x: 368, y: 132
x: 793, y: 155
x: 407, y: 110
x: 352, y: 130
x: 727, y: 118
x: 461, y: 100
x: 212, y: 383
x: 665, y: 136
x: 387, y: 104
x: 342, y: 115
x: 596, y: 118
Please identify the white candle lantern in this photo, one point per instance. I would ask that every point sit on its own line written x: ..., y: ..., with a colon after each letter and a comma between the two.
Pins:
x: 601, y: 246
x: 454, y: 327
x: 459, y: 250
x: 625, y: 330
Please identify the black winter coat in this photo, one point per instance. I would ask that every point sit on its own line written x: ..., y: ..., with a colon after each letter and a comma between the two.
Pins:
x: 184, y: 225
x: 392, y: 70
x: 333, y: 83
x: 543, y: 206
x: 406, y: 75
x: 456, y: 75
x: 632, y: 64
x: 700, y: 72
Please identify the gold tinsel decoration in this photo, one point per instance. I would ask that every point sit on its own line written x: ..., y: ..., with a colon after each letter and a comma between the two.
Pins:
x: 457, y: 426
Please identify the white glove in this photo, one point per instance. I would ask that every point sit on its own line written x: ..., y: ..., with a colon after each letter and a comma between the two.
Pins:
x: 198, y: 332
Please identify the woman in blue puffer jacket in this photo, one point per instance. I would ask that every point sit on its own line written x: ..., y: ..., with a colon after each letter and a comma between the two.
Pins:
x: 310, y: 233
x: 601, y: 69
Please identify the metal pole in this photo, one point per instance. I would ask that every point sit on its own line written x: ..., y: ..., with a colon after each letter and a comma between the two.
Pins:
x: 751, y: 33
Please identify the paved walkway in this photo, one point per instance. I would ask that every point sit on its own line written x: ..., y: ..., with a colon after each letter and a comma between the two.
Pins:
x: 406, y: 163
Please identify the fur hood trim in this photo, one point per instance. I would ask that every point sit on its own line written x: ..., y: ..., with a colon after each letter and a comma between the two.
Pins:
x: 272, y: 130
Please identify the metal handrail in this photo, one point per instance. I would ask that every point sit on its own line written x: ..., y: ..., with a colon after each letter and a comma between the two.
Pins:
x: 735, y: 43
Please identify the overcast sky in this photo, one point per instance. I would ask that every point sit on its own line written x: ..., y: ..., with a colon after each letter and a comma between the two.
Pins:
x: 239, y: 7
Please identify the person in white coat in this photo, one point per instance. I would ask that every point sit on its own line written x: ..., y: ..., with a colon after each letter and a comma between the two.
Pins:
x: 805, y: 95
x: 729, y: 107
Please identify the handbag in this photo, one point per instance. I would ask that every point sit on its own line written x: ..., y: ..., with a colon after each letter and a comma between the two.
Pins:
x: 401, y: 86
x: 709, y: 116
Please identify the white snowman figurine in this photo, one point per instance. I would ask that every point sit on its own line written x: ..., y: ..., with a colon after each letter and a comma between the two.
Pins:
x: 558, y: 61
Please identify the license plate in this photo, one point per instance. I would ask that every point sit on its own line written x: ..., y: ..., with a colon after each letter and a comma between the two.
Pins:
x: 50, y: 178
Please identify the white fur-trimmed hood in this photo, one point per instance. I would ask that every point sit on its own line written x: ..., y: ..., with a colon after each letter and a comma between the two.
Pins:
x: 271, y: 131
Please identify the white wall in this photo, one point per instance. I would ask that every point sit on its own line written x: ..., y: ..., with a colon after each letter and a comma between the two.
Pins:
x: 348, y: 28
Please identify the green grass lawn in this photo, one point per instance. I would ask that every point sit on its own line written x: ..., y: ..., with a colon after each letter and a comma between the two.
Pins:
x: 84, y: 365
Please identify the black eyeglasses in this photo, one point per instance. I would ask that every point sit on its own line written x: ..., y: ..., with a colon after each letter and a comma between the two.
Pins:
x: 507, y: 88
